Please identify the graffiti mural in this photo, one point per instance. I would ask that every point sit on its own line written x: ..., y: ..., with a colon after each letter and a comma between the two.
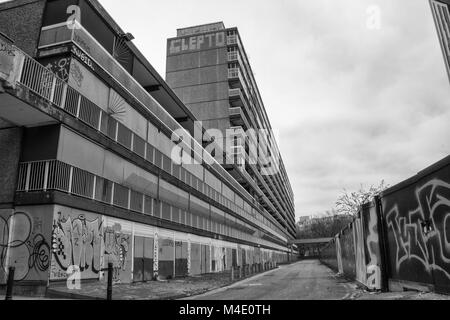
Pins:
x: 60, y: 67
x: 81, y: 239
x: 360, y: 261
x: 372, y: 248
x: 76, y: 242
x: 421, y: 234
x: 117, y: 246
x: 23, y: 246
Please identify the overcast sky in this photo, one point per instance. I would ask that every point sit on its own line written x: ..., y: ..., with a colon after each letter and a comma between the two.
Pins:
x: 353, y: 105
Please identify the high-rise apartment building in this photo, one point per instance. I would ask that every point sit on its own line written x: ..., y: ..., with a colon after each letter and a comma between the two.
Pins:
x: 441, y: 15
x: 87, y: 175
x: 208, y: 68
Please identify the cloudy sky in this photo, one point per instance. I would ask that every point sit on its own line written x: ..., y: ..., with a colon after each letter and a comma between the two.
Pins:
x: 353, y: 105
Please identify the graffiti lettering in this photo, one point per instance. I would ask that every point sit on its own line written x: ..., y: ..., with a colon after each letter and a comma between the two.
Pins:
x: 372, y: 244
x: 83, y: 57
x: 421, y: 234
x: 206, y: 41
x: 77, y: 242
x: 22, y: 246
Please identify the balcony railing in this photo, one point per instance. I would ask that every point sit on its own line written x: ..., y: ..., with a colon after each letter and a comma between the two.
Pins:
x: 54, y: 175
x: 234, y: 93
x: 60, y: 33
x: 232, y: 40
x: 233, y: 56
x: 233, y: 73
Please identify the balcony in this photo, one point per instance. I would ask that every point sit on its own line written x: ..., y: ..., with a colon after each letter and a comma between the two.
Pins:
x: 234, y: 56
x: 234, y: 73
x: 54, y: 175
x: 232, y: 40
x: 238, y: 118
x: 61, y: 34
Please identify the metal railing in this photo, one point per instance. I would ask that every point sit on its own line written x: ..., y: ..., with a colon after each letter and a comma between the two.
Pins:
x: 234, y: 92
x: 54, y: 175
x: 233, y: 56
x: 232, y: 40
x: 233, y: 73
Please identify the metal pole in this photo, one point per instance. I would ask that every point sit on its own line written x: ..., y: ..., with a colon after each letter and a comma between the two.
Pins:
x: 10, y: 283
x: 110, y: 282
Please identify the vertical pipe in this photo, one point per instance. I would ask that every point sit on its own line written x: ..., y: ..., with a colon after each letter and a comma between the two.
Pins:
x: 384, y: 246
x: 110, y: 281
x: 10, y: 284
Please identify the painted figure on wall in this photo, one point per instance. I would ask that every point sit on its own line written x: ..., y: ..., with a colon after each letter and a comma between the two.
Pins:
x: 117, y: 245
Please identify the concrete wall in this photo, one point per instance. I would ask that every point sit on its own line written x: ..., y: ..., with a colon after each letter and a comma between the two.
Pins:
x: 401, y: 240
x: 10, y: 149
x: 200, y: 79
x: 22, y: 21
x: 416, y: 216
x: 356, y: 251
x: 25, y: 243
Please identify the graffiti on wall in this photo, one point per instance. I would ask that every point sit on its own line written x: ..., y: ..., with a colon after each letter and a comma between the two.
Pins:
x: 76, y: 242
x: 77, y: 74
x: 197, y: 42
x: 422, y: 233
x: 339, y: 256
x: 23, y: 246
x: 60, y: 67
x: 117, y: 246
x: 373, y: 251
x: 360, y: 261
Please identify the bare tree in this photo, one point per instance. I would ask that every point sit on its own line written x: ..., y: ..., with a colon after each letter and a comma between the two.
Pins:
x: 349, y: 203
x: 327, y: 226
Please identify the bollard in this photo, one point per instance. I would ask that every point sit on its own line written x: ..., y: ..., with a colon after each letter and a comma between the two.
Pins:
x: 232, y: 273
x: 110, y: 281
x: 10, y: 284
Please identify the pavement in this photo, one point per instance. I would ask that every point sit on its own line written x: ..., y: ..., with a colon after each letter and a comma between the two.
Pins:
x: 304, y: 280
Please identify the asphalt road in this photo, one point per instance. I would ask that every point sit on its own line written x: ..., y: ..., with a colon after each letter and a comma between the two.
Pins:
x: 305, y: 280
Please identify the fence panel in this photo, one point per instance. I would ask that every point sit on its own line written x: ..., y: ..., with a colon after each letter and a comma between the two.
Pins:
x: 416, y: 216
